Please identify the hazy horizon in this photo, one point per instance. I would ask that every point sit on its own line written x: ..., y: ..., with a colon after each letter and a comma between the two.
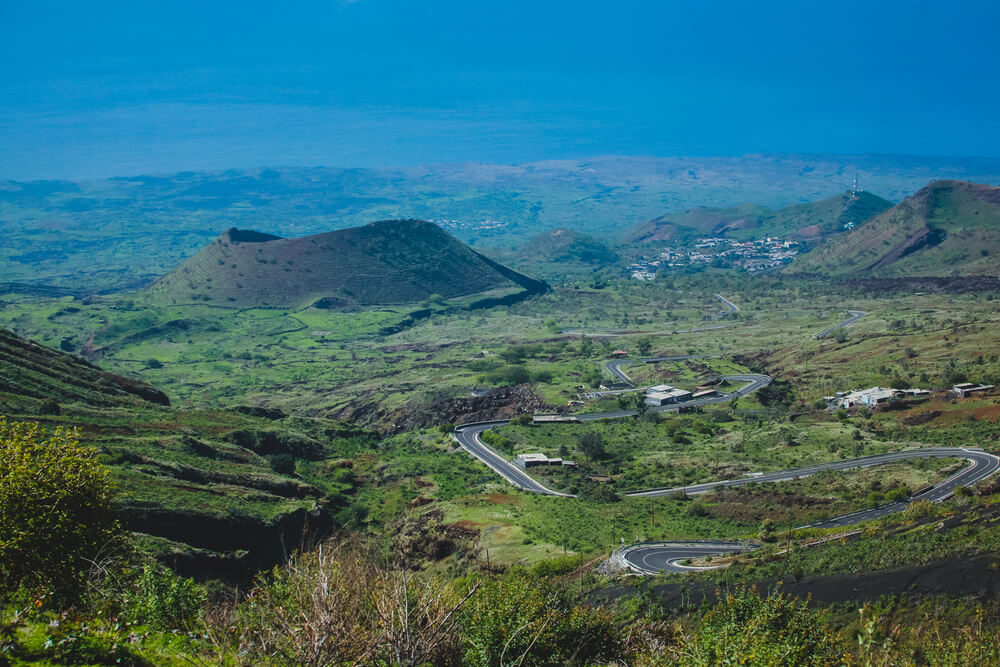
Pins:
x: 114, y: 90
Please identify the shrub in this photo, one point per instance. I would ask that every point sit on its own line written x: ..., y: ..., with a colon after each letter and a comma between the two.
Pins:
x: 897, y: 494
x: 522, y: 419
x: 592, y: 445
x: 522, y: 620
x: 744, y: 628
x: 335, y: 606
x: 55, y: 508
x: 919, y: 510
x: 283, y: 464
x: 163, y: 600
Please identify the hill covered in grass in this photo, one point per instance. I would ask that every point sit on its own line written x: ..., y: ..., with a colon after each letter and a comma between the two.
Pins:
x: 389, y: 262
x: 801, y: 221
x: 560, y: 253
x: 948, y: 228
x: 213, y: 493
x: 33, y: 376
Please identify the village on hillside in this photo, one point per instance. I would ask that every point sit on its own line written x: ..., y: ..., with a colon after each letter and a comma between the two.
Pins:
x: 750, y: 256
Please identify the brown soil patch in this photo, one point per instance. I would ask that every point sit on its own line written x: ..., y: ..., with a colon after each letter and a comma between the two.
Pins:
x: 992, y: 413
x: 502, y: 498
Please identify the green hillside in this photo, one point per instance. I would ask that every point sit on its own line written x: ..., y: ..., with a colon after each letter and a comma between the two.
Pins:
x: 200, y: 488
x: 947, y: 228
x: 801, y: 221
x: 31, y: 376
x: 389, y: 262
x: 560, y: 253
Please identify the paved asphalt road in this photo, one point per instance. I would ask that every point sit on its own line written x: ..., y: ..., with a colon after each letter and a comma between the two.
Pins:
x: 731, y: 307
x: 469, y: 435
x: 666, y: 556
x: 615, y: 366
x: 855, y: 315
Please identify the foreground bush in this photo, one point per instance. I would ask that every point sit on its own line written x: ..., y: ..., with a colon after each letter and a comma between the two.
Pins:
x: 56, y: 509
x: 744, y: 628
x: 523, y: 620
x: 335, y: 606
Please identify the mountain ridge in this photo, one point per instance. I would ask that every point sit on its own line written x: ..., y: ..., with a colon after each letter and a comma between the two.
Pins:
x: 947, y: 228
x: 806, y: 221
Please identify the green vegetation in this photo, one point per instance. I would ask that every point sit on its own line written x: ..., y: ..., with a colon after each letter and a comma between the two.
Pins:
x: 390, y: 262
x: 286, y: 425
x: 56, y: 510
x: 560, y: 254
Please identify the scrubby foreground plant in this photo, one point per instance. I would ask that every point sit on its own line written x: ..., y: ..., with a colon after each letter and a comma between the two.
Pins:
x: 56, y: 509
x: 335, y: 606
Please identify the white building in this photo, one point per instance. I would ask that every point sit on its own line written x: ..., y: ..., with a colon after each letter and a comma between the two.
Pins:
x: 525, y: 461
x: 660, y: 398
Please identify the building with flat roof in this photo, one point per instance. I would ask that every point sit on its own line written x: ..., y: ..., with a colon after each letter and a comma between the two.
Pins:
x: 965, y: 389
x: 525, y: 461
x: 661, y: 398
x: 872, y: 397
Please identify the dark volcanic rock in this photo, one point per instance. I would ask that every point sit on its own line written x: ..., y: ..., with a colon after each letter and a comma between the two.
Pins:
x: 502, y: 403
x: 259, y: 411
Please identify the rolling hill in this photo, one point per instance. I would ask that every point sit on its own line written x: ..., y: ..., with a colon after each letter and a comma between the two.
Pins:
x: 389, y: 262
x: 197, y: 487
x: 559, y: 253
x: 948, y: 228
x: 801, y: 221
x: 32, y: 375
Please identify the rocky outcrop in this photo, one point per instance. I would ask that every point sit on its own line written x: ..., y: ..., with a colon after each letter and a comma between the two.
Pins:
x: 502, y: 403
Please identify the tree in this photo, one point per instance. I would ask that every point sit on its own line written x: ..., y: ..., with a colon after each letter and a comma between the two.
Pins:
x: 592, y: 445
x: 56, y: 508
x: 523, y: 419
x: 639, y: 403
x: 644, y: 346
x: 767, y: 530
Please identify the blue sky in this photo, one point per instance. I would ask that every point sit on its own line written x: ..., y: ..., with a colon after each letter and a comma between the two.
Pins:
x: 99, y: 88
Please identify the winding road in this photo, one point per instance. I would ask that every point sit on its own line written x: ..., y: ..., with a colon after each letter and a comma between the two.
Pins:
x: 614, y: 367
x: 469, y: 436
x: 653, y: 558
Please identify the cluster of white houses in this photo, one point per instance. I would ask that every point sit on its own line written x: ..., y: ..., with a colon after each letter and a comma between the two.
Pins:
x: 871, y: 398
x: 877, y: 396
